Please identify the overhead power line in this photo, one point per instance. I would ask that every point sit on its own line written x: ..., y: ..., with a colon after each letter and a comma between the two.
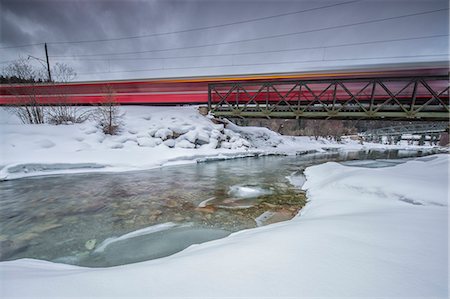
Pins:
x: 185, y: 30
x: 259, y: 52
x: 260, y: 38
x: 254, y: 52
x: 267, y: 63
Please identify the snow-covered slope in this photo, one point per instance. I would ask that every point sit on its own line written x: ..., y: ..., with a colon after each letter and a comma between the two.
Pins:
x: 363, y: 233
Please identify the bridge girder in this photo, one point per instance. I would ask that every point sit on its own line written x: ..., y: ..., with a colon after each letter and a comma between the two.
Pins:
x: 411, y: 98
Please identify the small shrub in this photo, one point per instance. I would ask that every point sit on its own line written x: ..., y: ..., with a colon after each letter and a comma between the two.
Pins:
x: 66, y: 114
x: 108, y: 115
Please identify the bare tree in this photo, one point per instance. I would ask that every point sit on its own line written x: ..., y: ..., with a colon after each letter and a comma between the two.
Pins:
x: 61, y: 72
x: 108, y: 114
x: 26, y: 105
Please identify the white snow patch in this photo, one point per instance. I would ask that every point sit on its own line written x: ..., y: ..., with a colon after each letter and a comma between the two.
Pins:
x: 45, y: 143
x: 247, y: 191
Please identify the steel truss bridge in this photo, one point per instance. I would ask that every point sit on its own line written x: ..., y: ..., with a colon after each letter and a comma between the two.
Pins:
x: 411, y: 98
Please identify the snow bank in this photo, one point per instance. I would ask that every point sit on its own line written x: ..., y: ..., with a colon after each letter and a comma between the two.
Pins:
x: 151, y: 137
x: 364, y: 233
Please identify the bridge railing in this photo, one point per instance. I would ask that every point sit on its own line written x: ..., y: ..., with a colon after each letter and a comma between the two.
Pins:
x: 425, y: 97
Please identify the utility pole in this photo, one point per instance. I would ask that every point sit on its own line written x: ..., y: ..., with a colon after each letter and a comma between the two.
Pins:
x: 48, y: 64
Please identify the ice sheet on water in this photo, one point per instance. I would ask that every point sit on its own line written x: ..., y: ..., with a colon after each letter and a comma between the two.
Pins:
x: 136, y: 233
x: 144, y: 246
x: 373, y: 163
x: 297, y: 179
x: 247, y: 191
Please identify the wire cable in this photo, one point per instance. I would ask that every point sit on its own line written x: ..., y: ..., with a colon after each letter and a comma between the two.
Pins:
x: 260, y: 38
x: 260, y: 52
x: 186, y: 30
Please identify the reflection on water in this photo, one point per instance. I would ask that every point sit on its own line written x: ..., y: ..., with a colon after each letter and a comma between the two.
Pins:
x: 66, y: 218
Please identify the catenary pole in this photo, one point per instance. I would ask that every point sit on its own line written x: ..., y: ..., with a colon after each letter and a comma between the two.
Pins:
x: 48, y: 63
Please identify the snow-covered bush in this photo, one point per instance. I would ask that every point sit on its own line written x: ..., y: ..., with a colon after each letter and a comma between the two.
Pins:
x: 27, y: 108
x: 66, y: 114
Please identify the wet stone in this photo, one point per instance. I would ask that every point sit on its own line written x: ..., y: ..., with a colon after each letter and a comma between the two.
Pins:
x: 9, y: 248
x: 171, y: 203
x: 90, y: 244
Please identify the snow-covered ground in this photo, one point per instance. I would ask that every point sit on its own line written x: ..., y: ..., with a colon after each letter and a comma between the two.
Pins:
x: 365, y: 232
x: 151, y: 137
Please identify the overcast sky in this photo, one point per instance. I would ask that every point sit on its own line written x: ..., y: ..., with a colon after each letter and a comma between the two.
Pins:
x: 325, y: 27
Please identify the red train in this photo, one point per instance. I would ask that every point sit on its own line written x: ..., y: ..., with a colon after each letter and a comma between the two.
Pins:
x: 194, y: 90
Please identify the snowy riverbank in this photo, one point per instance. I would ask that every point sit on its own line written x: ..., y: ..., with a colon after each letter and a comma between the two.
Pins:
x: 151, y: 137
x: 364, y: 233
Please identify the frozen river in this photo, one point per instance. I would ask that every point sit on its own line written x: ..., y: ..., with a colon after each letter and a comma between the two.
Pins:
x: 101, y: 220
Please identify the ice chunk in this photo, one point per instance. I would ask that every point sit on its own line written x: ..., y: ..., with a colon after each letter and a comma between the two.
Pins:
x: 203, y: 203
x: 297, y: 179
x: 136, y: 233
x: 247, y: 191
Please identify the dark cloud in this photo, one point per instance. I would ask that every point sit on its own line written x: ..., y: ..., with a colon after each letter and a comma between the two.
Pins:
x: 36, y: 21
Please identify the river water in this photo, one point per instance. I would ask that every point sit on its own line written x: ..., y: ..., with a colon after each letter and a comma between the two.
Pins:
x: 101, y: 220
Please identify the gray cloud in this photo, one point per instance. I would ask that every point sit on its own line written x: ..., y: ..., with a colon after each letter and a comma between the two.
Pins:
x: 37, y: 21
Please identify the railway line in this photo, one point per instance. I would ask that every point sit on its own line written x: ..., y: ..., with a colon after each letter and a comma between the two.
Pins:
x: 416, y: 91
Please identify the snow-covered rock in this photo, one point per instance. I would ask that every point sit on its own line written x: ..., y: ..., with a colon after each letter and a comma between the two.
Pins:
x: 184, y: 144
x: 148, y: 142
x: 190, y: 136
x: 163, y: 133
x: 170, y: 142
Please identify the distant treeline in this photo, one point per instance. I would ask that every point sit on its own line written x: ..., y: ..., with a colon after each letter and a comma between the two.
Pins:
x: 14, y: 79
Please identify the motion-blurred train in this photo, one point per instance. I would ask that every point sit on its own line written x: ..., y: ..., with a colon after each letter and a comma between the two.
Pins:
x: 194, y: 90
